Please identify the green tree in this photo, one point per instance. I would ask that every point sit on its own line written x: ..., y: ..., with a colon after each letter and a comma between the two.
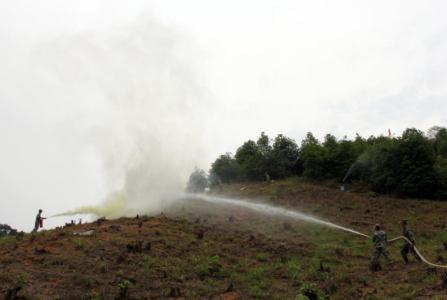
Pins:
x: 263, y: 144
x: 198, y: 181
x: 283, y: 157
x: 416, y: 175
x: 265, y: 159
x: 381, y: 161
x: 313, y: 156
x: 225, y: 169
x: 413, y: 165
x: 404, y: 166
x: 441, y: 170
x: 438, y: 135
x: 331, y: 156
x: 249, y: 157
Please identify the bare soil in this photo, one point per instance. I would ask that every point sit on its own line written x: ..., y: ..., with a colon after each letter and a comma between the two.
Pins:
x: 199, y: 250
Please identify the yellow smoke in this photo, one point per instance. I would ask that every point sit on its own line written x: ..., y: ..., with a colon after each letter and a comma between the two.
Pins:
x: 113, y: 207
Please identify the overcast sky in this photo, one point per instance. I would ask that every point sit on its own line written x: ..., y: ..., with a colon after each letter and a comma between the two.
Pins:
x: 81, y: 82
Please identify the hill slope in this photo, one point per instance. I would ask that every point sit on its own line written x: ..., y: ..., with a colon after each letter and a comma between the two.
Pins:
x: 204, y: 251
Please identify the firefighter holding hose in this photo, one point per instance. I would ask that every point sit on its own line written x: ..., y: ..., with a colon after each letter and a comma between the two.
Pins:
x: 39, y: 221
x: 380, y: 247
x: 408, y: 247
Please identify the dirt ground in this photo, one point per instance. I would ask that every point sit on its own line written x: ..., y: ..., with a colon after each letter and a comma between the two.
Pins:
x: 199, y: 250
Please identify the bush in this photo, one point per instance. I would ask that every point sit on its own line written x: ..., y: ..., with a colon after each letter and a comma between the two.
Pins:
x: 6, y: 230
x: 198, y: 181
x: 310, y: 291
x: 123, y: 287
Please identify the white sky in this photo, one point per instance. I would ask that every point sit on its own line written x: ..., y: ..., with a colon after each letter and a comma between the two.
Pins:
x: 286, y: 67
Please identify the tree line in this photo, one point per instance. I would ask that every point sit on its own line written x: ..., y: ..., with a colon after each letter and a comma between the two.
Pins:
x: 413, y: 164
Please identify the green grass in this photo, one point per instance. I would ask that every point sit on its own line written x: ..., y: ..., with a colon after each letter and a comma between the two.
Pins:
x: 9, y: 241
x: 295, y: 268
x: 78, y: 243
x: 263, y: 257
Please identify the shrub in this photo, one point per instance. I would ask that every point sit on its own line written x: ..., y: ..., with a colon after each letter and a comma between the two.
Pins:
x: 198, y: 181
x: 310, y: 291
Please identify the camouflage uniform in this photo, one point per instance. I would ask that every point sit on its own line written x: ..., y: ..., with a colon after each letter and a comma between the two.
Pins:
x: 380, y: 246
x: 408, y: 247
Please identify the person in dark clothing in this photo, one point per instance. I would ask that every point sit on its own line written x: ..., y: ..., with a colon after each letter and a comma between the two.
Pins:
x: 408, y: 246
x: 38, y: 221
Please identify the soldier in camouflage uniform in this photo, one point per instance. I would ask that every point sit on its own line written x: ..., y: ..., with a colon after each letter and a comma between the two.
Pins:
x: 380, y: 247
x: 409, y: 245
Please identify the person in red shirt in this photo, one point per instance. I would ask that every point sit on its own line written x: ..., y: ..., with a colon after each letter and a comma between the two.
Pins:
x: 39, y: 221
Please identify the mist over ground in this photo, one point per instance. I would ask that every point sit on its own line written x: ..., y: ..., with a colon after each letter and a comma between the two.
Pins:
x: 98, y: 98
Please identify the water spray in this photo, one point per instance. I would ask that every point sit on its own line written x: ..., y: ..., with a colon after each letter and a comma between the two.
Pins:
x: 348, y: 173
x: 116, y: 207
x: 274, y: 210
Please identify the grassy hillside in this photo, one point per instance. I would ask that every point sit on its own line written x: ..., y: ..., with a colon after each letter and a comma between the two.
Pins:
x: 204, y: 251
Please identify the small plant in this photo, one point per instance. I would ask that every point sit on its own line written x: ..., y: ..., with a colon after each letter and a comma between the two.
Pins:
x: 84, y: 280
x: 119, y: 273
x: 104, y: 267
x: 256, y: 275
x: 79, y: 244
x: 87, y: 281
x: 432, y: 277
x: 147, y: 262
x: 372, y: 194
x: 444, y: 279
x: 210, y: 266
x: 21, y: 281
x: 11, y: 292
x: 257, y: 279
x: 294, y: 268
x: 95, y: 296
x: 262, y: 257
x: 214, y: 261
x: 310, y: 291
x: 123, y: 287
x: 255, y: 291
x: 363, y: 280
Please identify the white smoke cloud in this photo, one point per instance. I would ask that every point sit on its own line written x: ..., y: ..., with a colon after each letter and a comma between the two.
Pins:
x: 147, y: 127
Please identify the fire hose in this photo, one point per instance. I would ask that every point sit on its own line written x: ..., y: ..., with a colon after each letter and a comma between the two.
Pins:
x: 265, y: 208
x: 417, y: 252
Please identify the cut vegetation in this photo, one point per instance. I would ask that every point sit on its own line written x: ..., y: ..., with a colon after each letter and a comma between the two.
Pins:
x: 204, y: 251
